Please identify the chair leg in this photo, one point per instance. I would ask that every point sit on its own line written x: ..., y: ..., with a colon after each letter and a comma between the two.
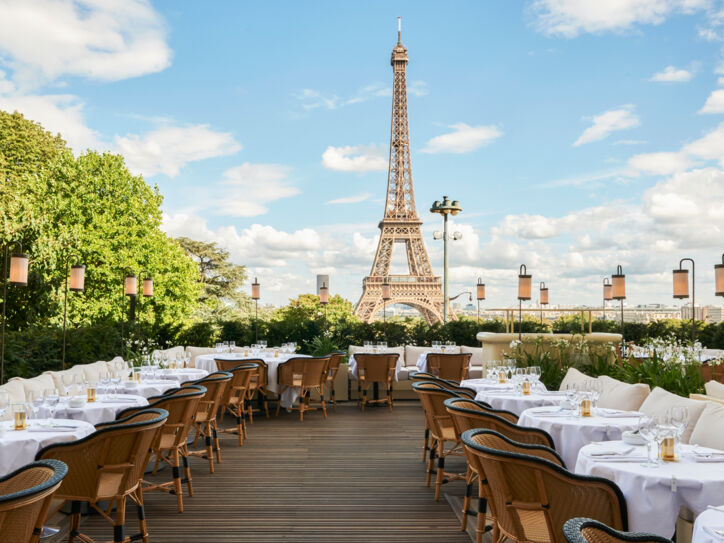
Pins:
x: 266, y: 405
x: 334, y: 399
x: 324, y: 407
x: 440, y: 468
x: 426, y: 448
x: 251, y: 411
x: 279, y: 401
x: 430, y: 462
x: 74, y: 528
x: 143, y: 529
x: 187, y: 471
x: 118, y: 531
x: 466, y: 501
x: 217, y: 446
x: 481, y: 528
x: 364, y: 398
x: 240, y: 430
x: 389, y: 397
x: 176, y: 469
x: 209, y: 450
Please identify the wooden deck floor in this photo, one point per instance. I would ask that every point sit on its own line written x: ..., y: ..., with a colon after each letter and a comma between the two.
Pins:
x: 353, y: 477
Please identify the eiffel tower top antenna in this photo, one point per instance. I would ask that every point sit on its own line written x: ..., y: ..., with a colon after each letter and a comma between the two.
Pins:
x: 399, y: 30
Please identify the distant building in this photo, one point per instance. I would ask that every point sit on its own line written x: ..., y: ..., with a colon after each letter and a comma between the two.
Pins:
x: 322, y: 280
x: 709, y: 313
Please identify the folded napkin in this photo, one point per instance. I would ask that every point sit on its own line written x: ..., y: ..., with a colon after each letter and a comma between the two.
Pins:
x: 616, y: 413
x: 620, y: 458
x: 703, y: 458
x: 553, y: 413
x: 611, y: 449
x: 118, y: 400
x: 501, y: 392
x: 52, y: 429
x: 550, y: 393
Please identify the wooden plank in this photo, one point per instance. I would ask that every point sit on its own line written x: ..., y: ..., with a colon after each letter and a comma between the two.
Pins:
x: 352, y: 477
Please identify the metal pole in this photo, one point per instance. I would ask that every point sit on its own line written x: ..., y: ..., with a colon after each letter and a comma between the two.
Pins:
x: 5, y: 303
x: 693, y: 304
x: 445, y: 264
x: 478, y: 312
x: 256, y: 319
x: 520, y: 319
x: 622, y: 334
x: 65, y: 309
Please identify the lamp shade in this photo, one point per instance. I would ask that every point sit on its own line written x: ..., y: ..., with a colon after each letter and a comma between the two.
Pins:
x: 607, y: 291
x: 618, y: 282
x: 324, y: 294
x: 386, y: 291
x: 524, y: 283
x: 130, y: 286
x: 544, y: 296
x: 77, y: 277
x: 255, y: 290
x: 19, y: 269
x: 480, y: 290
x: 148, y: 287
x: 681, y: 283
x: 719, y: 277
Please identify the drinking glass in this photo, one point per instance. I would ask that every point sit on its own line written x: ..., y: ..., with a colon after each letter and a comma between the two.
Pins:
x: 218, y: 347
x: 4, y: 402
x: 19, y: 416
x: 67, y: 383
x: 51, y: 401
x: 263, y: 343
x: 648, y: 430
x: 35, y: 402
x: 678, y: 417
x: 232, y: 345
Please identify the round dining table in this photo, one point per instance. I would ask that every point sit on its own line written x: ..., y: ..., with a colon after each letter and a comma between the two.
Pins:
x: 19, y: 447
x: 104, y: 409
x: 709, y: 525
x: 571, y: 432
x: 654, y: 495
x: 517, y: 402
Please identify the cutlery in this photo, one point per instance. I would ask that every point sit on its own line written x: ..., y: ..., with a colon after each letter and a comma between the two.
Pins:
x: 719, y: 508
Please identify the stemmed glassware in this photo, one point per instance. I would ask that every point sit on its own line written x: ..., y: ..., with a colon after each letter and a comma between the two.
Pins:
x: 4, y: 404
x: 52, y: 398
x: 34, y: 402
x: 649, y: 430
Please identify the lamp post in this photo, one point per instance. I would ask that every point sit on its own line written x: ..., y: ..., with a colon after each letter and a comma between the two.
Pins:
x: 446, y: 208
x: 480, y: 291
x: 324, y: 299
x: 618, y: 292
x: 255, y: 295
x: 76, y: 273
x: 607, y: 294
x: 524, y: 285
x: 18, y: 276
x: 543, y: 299
x: 681, y: 290
x: 719, y: 277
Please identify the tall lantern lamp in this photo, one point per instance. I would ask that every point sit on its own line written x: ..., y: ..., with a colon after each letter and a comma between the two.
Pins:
x: 607, y: 294
x: 524, y: 285
x: 681, y: 290
x: 18, y: 276
x: 543, y: 299
x: 480, y: 291
x: 255, y: 295
x: 74, y: 281
x: 386, y: 297
x: 719, y: 277
x: 618, y: 291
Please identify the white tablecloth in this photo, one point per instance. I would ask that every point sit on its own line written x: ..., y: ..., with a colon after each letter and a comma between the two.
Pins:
x: 104, y: 409
x: 18, y: 448
x: 516, y: 402
x: 180, y: 375
x: 706, y: 523
x: 653, y: 501
x: 353, y: 364
x: 570, y: 434
x: 145, y: 388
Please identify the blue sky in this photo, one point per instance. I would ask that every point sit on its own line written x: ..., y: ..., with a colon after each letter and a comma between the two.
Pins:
x: 576, y: 135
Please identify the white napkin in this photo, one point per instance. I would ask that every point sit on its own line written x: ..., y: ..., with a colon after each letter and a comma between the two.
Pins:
x: 118, y: 400
x: 612, y: 448
x: 705, y: 458
x: 615, y: 413
x: 52, y: 429
x: 619, y: 458
x: 558, y: 412
x: 550, y: 392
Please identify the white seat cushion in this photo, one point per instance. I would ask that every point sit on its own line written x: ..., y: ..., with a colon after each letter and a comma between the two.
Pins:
x: 93, y: 371
x: 38, y: 385
x: 14, y: 387
x: 117, y: 363
x: 708, y: 429
x: 616, y: 394
x: 475, y: 373
x: 57, y: 376
x: 413, y: 352
x: 477, y: 359
x: 660, y: 400
x: 714, y: 388
x: 574, y: 377
x: 193, y: 352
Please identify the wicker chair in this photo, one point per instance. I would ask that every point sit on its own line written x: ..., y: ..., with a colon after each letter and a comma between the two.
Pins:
x: 586, y: 530
x: 25, y: 495
x: 375, y: 368
x: 307, y: 375
x: 335, y: 359
x: 236, y: 397
x: 107, y: 466
x: 531, y: 495
x: 449, y: 366
x: 257, y: 385
x: 468, y: 415
x: 449, y: 384
x: 206, y: 413
x: 432, y: 397
x: 170, y: 446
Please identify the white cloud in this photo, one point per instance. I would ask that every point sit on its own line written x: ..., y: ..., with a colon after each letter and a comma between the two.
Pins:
x: 569, y: 18
x: 355, y: 158
x: 252, y: 186
x: 630, y: 142
x: 708, y: 147
x: 463, y: 139
x: 607, y: 122
x: 107, y: 40
x: 671, y: 74
x: 715, y: 102
x: 58, y: 113
x: 169, y: 148
x: 659, y: 163
x: 351, y: 199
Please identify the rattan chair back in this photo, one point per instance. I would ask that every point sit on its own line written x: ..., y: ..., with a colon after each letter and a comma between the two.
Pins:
x: 228, y: 364
x: 432, y: 397
x: 237, y: 389
x: 109, y: 462
x: 335, y: 359
x: 450, y: 384
x: 469, y: 414
x: 532, y: 495
x: 586, y: 530
x: 449, y: 366
x: 215, y: 385
x: 25, y: 495
x: 377, y: 368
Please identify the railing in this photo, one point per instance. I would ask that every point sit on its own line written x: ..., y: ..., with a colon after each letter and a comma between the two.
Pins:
x: 511, y: 318
x: 402, y: 279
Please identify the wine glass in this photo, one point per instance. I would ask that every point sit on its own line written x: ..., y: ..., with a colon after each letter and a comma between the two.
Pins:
x: 52, y: 397
x: 33, y: 400
x: 678, y: 417
x: 232, y: 345
x: 4, y: 402
x: 67, y: 383
x: 648, y: 429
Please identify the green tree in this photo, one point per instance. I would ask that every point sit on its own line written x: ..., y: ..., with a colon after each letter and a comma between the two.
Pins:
x: 221, y: 297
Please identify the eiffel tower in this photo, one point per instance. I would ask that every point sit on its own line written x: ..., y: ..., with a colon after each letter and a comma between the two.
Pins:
x: 419, y: 289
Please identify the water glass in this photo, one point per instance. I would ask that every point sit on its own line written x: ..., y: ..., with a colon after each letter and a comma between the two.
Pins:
x: 648, y: 430
x: 52, y: 398
x: 19, y: 416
